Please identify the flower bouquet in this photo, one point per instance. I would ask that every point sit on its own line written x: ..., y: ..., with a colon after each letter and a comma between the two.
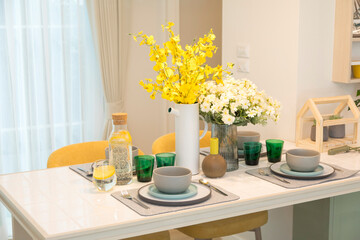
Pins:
x: 180, y: 72
x: 234, y: 103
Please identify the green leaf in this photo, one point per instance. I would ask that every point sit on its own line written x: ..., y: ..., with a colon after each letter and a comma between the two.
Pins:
x: 357, y: 102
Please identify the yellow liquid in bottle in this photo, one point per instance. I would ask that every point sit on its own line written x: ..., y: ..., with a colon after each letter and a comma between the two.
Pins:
x: 121, y: 156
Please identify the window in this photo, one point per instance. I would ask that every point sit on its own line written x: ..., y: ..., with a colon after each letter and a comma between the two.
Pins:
x: 50, y: 88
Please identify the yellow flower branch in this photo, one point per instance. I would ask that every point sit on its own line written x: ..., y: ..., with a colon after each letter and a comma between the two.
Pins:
x: 181, y: 82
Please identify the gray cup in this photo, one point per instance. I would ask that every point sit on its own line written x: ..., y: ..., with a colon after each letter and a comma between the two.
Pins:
x: 246, y: 136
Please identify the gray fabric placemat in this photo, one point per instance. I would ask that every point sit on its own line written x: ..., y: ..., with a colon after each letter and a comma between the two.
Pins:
x: 340, y: 173
x: 157, y: 209
x: 85, y: 166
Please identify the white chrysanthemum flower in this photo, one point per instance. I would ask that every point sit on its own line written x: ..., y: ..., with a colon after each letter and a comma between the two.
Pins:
x: 217, y: 107
x: 225, y: 98
x: 212, y: 97
x: 201, y: 98
x: 251, y: 113
x: 233, y: 107
x: 205, y: 107
x: 228, y: 119
x: 209, y: 99
x: 258, y: 111
x: 245, y: 104
x: 270, y: 111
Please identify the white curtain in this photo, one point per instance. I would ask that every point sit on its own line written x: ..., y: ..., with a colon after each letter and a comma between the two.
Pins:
x: 106, y: 22
x: 50, y: 89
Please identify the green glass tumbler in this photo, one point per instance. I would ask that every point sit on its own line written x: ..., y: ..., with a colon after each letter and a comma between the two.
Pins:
x: 252, y: 152
x: 274, y: 150
x: 144, y: 167
x: 165, y: 159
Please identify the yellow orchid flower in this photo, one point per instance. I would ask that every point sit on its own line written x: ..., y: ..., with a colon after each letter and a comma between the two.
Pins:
x: 180, y: 82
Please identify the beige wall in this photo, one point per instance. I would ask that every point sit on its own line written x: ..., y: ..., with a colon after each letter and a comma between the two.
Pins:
x: 271, y: 30
x: 146, y: 117
x: 197, y: 17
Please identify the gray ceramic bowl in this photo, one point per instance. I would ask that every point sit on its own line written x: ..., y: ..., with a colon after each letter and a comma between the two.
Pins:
x: 172, y: 179
x: 302, y: 160
x: 246, y: 136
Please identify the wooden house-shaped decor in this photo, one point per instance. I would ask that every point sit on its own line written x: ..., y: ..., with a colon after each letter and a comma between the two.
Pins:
x: 322, y: 120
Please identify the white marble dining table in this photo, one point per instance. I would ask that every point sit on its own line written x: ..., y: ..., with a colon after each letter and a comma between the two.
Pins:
x: 58, y: 203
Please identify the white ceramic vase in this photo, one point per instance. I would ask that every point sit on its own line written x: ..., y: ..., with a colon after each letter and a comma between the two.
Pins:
x: 187, y: 135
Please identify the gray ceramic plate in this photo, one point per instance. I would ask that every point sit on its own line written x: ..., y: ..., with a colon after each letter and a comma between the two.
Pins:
x: 328, y: 170
x: 286, y: 169
x: 191, y: 191
x: 203, y: 194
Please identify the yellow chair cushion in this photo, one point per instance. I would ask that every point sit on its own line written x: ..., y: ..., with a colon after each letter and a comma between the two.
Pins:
x: 166, y: 143
x: 79, y: 153
x: 226, y: 227
x: 154, y: 236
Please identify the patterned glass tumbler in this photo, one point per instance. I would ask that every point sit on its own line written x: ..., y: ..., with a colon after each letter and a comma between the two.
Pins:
x: 274, y: 150
x: 144, y: 167
x: 252, y: 152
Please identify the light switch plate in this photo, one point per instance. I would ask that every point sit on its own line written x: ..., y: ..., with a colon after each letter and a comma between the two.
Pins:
x: 243, y: 51
x: 243, y: 65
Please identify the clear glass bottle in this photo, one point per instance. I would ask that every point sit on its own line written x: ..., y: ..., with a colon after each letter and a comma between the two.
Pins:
x: 120, y: 149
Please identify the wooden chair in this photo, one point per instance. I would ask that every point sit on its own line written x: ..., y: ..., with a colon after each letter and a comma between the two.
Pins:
x: 219, y: 228
x: 89, y: 152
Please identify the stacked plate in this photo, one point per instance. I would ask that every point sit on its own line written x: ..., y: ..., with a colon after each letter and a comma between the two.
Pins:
x: 196, y: 193
x: 282, y: 169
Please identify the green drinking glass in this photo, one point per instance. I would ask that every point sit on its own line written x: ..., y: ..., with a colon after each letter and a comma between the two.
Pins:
x: 274, y: 150
x: 144, y: 167
x: 165, y: 159
x: 252, y: 152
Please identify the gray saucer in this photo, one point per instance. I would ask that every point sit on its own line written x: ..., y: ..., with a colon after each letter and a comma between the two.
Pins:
x: 328, y: 170
x: 203, y: 194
